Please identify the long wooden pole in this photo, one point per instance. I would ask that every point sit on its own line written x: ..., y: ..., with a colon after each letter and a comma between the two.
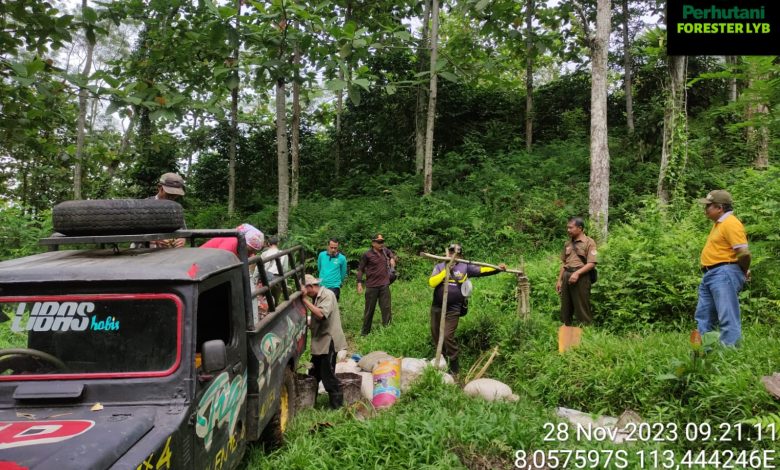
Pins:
x: 443, y: 317
x: 464, y: 261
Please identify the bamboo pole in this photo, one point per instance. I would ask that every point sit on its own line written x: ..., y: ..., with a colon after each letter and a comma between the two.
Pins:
x: 464, y: 261
x: 443, y: 317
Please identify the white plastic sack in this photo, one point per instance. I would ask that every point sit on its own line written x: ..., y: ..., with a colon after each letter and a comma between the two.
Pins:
x: 410, y: 365
x: 442, y: 363
x: 368, y: 361
x: 341, y: 355
x: 347, y: 366
x: 490, y: 390
x: 367, y: 385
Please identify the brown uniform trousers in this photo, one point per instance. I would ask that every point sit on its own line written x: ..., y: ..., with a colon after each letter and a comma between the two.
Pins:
x: 575, y: 299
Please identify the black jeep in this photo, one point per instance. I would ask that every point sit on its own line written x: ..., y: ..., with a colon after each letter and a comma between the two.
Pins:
x: 129, y: 357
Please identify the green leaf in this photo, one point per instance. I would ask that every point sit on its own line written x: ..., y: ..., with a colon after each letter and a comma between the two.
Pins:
x: 449, y: 76
x: 226, y: 12
x: 349, y: 28
x: 232, y: 82
x: 481, y: 5
x: 134, y: 100
x: 34, y: 67
x: 403, y: 35
x: 355, y: 95
x: 364, y: 83
x: 19, y: 68
x: 359, y: 43
x: 335, y: 84
x: 390, y: 89
x: 24, y: 81
x: 89, y: 15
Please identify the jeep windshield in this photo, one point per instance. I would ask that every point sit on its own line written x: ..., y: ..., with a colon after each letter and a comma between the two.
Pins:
x: 94, y: 336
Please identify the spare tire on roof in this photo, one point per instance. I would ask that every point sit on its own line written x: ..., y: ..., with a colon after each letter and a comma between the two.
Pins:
x: 117, y: 216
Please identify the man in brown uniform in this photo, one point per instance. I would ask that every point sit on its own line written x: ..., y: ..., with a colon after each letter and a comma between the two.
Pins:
x: 327, y: 337
x: 375, y: 265
x: 578, y: 257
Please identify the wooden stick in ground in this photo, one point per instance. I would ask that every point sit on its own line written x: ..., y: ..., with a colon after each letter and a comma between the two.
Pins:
x: 443, y: 317
x: 465, y: 261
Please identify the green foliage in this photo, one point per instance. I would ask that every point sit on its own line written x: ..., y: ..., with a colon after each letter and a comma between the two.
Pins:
x: 648, y: 271
x: 21, y: 232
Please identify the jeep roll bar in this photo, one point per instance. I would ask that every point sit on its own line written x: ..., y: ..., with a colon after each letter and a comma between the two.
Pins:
x: 296, y: 268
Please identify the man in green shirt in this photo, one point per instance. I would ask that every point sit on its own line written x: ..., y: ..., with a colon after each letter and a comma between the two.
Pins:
x: 332, y: 267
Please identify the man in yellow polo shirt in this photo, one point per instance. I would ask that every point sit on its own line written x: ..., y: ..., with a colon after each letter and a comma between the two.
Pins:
x: 725, y: 263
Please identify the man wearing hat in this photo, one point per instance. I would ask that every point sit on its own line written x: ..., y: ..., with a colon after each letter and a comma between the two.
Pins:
x: 170, y: 186
x: 725, y: 263
x: 327, y: 337
x: 376, y: 264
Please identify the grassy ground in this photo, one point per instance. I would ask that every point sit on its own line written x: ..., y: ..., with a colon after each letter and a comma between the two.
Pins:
x: 437, y: 426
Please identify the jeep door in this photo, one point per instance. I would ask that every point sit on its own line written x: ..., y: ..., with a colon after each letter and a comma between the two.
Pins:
x: 220, y: 393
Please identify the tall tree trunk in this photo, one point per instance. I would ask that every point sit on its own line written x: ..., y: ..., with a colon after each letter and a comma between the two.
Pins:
x: 732, y: 61
x: 234, y: 119
x: 339, y: 110
x: 529, y: 76
x: 599, y: 149
x: 194, y: 144
x: 295, y: 131
x: 627, y: 71
x: 340, y: 96
x: 82, y: 120
x: 428, y: 167
x: 282, y: 160
x: 757, y: 134
x: 419, y: 114
x: 674, y: 143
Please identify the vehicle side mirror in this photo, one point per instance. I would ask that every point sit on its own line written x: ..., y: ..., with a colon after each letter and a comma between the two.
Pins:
x: 214, y: 354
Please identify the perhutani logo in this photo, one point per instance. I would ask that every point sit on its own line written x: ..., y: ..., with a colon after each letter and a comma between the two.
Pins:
x: 716, y: 13
x: 690, y: 12
x: 723, y: 27
x: 53, y: 316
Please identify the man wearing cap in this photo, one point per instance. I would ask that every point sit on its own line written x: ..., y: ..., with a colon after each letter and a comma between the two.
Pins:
x: 327, y: 337
x: 578, y: 258
x: 725, y: 264
x: 332, y: 267
x: 375, y: 265
x: 170, y: 186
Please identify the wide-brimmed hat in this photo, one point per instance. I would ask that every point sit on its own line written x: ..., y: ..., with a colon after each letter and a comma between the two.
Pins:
x: 172, y: 183
x: 378, y: 238
x: 718, y: 196
x: 310, y: 280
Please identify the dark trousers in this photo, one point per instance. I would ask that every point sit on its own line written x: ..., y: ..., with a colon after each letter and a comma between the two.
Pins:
x: 575, y: 299
x: 337, y: 291
x: 372, y: 295
x: 323, y: 368
x: 450, y: 348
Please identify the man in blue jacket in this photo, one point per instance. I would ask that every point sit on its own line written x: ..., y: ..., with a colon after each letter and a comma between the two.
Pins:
x: 332, y: 267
